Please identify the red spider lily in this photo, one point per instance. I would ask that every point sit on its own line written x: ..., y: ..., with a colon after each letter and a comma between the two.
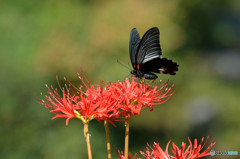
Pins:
x: 88, y: 102
x: 191, y: 152
x: 157, y: 152
x: 95, y: 103
x: 121, y: 156
x: 61, y: 106
x: 135, y: 96
x: 98, y: 103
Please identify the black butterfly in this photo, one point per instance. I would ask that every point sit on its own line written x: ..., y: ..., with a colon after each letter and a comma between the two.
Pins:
x: 145, y: 55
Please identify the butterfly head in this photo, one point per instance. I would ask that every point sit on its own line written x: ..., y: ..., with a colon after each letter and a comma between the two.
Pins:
x: 137, y: 73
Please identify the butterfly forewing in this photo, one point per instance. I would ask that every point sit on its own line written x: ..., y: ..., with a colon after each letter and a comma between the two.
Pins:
x: 149, y: 47
x: 133, y: 45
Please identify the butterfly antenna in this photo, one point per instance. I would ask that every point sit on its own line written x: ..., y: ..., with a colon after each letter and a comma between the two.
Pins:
x: 122, y: 64
x: 129, y: 66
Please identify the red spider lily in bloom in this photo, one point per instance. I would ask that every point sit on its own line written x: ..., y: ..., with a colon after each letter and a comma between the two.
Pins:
x: 88, y: 102
x: 191, y: 152
x: 94, y: 103
x: 156, y: 153
x: 135, y: 96
x: 121, y: 156
x: 61, y: 106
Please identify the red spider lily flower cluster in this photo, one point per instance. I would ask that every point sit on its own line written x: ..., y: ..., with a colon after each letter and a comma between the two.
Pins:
x: 193, y: 151
x: 110, y: 101
x: 137, y: 96
x: 94, y: 103
x: 121, y: 156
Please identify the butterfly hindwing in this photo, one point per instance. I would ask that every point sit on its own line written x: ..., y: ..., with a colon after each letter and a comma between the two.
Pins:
x: 133, y: 45
x: 160, y: 65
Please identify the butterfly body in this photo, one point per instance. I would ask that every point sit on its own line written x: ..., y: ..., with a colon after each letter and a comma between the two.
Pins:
x: 145, y: 55
x: 140, y: 74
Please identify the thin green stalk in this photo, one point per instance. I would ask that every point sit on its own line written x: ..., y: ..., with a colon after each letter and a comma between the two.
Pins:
x: 126, y: 138
x: 108, y: 139
x: 86, y: 135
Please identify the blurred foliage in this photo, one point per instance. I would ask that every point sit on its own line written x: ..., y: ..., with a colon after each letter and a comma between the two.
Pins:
x: 42, y: 39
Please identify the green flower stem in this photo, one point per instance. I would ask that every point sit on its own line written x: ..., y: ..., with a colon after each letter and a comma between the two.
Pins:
x: 108, y: 139
x: 86, y: 135
x: 126, y: 138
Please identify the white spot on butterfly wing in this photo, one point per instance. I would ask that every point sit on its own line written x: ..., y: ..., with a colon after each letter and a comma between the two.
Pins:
x: 161, y: 69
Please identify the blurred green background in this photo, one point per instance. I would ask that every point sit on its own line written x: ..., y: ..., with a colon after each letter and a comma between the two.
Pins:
x: 42, y: 39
